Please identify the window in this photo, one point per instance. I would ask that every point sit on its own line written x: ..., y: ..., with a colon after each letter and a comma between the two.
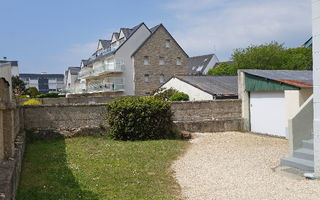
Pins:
x: 167, y: 43
x: 161, y: 61
x: 146, y: 78
x: 161, y: 78
x: 146, y: 60
x: 178, y: 61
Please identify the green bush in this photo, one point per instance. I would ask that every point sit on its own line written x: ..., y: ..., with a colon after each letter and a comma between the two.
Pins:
x: 164, y: 93
x: 32, y: 91
x: 180, y: 96
x: 140, y: 118
x: 23, y: 97
x: 50, y: 95
x: 32, y: 102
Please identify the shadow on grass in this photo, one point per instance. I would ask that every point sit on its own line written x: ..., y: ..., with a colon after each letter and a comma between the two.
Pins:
x: 46, y: 174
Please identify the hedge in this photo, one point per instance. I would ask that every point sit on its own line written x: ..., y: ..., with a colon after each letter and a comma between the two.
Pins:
x: 140, y: 118
x: 180, y: 96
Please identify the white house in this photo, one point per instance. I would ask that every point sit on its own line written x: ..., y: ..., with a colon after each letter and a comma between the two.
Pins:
x: 205, y: 87
x: 200, y: 65
x: 70, y: 77
x: 133, y: 62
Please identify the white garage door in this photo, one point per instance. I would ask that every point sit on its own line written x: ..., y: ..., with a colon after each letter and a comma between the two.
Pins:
x: 267, y: 113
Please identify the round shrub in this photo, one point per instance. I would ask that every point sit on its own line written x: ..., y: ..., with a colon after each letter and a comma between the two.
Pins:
x: 164, y: 93
x: 180, y: 96
x: 32, y: 91
x: 32, y: 102
x: 140, y: 118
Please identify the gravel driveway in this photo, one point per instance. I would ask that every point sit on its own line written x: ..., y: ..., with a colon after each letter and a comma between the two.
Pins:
x: 234, y: 165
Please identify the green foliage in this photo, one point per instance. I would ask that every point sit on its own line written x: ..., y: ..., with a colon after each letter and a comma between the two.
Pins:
x: 163, y: 93
x: 140, y: 118
x: 23, y: 97
x: 180, y: 96
x: 50, y: 95
x: 32, y: 102
x: 18, y: 86
x: 32, y: 91
x: 222, y: 69
x: 272, y: 56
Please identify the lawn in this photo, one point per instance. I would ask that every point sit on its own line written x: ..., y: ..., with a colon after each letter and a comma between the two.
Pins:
x: 99, y: 168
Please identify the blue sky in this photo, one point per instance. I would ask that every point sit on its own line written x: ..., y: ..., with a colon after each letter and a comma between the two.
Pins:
x: 48, y: 36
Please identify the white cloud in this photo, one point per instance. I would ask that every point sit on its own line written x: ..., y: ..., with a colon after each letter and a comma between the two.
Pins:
x: 208, y: 25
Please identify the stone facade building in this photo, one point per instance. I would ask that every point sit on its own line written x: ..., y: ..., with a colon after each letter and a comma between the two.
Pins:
x: 133, y: 62
x: 157, y: 60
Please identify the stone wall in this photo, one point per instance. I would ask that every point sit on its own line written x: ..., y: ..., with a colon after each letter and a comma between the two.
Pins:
x: 69, y: 119
x: 73, y: 100
x: 155, y: 48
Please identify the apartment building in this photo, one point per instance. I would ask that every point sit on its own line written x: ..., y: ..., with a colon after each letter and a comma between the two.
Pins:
x: 70, y: 77
x: 45, y: 83
x: 133, y: 62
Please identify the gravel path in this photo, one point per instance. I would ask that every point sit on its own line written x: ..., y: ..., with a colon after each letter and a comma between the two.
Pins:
x: 234, y: 165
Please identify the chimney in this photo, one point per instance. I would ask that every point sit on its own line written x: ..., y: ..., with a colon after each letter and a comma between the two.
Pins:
x: 5, y: 58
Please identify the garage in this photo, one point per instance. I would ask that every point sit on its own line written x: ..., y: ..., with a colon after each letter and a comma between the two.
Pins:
x: 270, y: 98
x: 267, y: 113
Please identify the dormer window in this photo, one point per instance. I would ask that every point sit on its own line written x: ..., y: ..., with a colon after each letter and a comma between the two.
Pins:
x: 167, y: 43
x: 146, y: 60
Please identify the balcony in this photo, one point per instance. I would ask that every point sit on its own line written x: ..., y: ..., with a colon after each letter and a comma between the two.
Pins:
x: 106, y: 68
x: 103, y: 86
x: 85, y: 72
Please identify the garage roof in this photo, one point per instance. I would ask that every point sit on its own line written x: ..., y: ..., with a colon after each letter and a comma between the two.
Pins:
x: 295, y: 78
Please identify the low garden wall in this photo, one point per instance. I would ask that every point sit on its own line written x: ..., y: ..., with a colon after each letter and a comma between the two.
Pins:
x: 72, y: 100
x: 70, y: 119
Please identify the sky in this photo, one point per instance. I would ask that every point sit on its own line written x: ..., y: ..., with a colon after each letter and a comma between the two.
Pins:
x: 49, y: 36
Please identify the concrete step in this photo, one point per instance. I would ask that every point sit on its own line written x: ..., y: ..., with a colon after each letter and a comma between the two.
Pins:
x: 298, y: 163
x: 304, y: 153
x: 308, y: 144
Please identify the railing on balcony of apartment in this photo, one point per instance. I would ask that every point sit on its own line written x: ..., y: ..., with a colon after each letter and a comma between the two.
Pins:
x: 105, y: 68
x: 96, y: 86
x: 85, y: 72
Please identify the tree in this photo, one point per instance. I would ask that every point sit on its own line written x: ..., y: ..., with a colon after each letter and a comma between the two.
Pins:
x: 266, y: 57
x: 18, y: 86
x: 32, y: 91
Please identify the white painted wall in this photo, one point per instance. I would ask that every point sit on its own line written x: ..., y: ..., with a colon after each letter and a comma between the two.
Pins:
x: 14, y: 71
x: 194, y: 93
x: 210, y: 65
x: 292, y: 105
x: 316, y: 82
x: 125, y: 53
x: 267, y: 113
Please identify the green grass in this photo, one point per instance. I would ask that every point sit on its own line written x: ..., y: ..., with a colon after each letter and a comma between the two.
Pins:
x: 99, y: 168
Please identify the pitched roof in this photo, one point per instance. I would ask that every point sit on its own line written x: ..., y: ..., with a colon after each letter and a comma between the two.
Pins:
x: 102, y: 55
x: 105, y: 43
x: 116, y: 35
x: 153, y: 30
x: 214, y: 85
x: 197, y: 64
x: 74, y: 70
x: 296, y: 78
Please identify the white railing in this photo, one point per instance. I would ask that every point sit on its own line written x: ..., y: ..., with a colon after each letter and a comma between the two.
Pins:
x: 104, y: 86
x: 108, y: 68
x: 85, y: 72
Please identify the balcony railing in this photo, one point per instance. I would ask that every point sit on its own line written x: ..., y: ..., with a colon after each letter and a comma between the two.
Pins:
x: 103, y: 86
x: 85, y: 72
x: 108, y: 68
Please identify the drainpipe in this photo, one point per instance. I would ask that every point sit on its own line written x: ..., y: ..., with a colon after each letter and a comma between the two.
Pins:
x: 316, y: 83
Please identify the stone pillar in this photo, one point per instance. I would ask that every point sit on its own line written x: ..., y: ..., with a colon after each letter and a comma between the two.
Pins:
x: 8, y: 130
x: 316, y: 82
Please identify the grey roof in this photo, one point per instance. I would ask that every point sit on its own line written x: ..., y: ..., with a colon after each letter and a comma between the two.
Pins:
x: 126, y: 31
x: 74, y: 70
x: 13, y: 63
x: 197, y: 64
x: 85, y: 62
x: 153, y: 29
x: 293, y: 77
x: 214, y: 85
x: 105, y: 43
x: 116, y: 34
